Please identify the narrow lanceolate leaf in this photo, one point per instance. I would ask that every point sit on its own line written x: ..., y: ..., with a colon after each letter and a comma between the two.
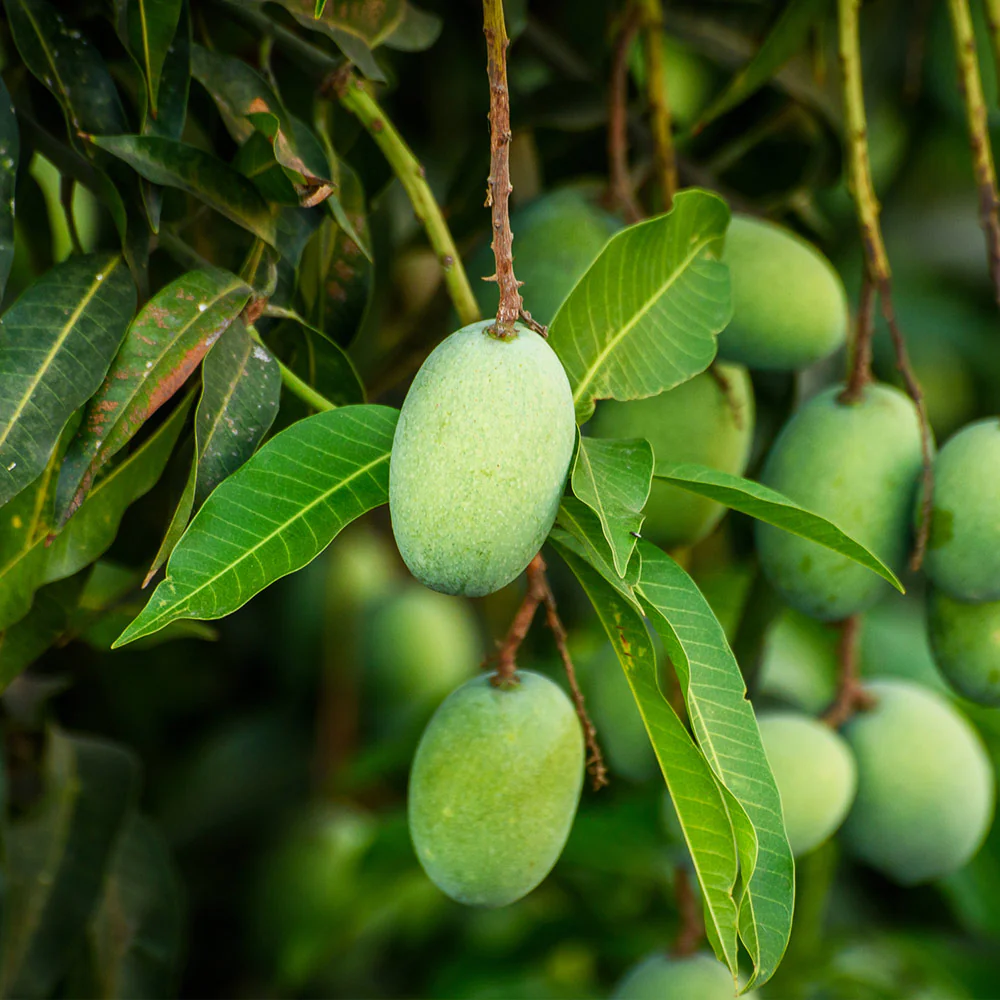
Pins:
x: 613, y: 479
x: 151, y: 28
x: 275, y: 514
x: 56, y: 857
x: 163, y: 346
x: 175, y: 81
x: 90, y: 532
x: 370, y: 22
x: 696, y: 795
x: 726, y: 730
x: 419, y: 30
x: 645, y: 316
x: 9, y: 151
x: 206, y: 177
x: 774, y: 508
x: 56, y: 343
x: 584, y: 526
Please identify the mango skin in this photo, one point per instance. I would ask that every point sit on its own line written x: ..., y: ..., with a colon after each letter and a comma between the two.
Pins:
x: 856, y: 464
x: 925, y: 785
x: 789, y: 304
x: 965, y: 639
x: 479, y: 459
x: 815, y: 773
x: 963, y: 551
x: 661, y: 977
x: 696, y: 422
x: 494, y: 788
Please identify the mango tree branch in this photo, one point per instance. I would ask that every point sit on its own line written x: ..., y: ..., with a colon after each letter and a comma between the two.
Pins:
x: 619, y: 180
x: 851, y: 696
x: 355, y: 98
x: 971, y: 85
x: 656, y: 96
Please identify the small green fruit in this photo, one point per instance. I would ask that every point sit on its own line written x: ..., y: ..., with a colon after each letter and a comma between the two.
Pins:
x: 815, y: 774
x: 966, y: 643
x: 479, y: 459
x: 963, y: 552
x: 700, y: 421
x: 660, y: 977
x: 363, y: 569
x: 789, y: 304
x: 494, y: 788
x: 856, y: 464
x: 925, y: 784
x: 799, y: 662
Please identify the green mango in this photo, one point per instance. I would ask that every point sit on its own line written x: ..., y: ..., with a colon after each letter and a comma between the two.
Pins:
x: 362, y: 568
x: 479, y: 459
x: 965, y: 639
x: 815, y: 773
x: 856, y: 464
x: 963, y: 552
x: 556, y: 238
x: 699, y: 421
x: 799, y: 662
x: 925, y: 784
x: 894, y: 643
x: 494, y: 788
x: 662, y: 977
x: 789, y: 304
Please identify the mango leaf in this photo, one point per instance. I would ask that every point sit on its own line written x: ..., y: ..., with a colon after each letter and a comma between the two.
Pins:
x: 241, y: 389
x: 56, y: 343
x: 10, y: 148
x: 613, y: 479
x: 370, y: 22
x: 417, y: 31
x: 789, y: 34
x: 56, y: 857
x: 176, y: 164
x: 163, y: 346
x: 137, y: 932
x: 645, y: 316
x: 694, y: 791
x: 91, y: 531
x: 726, y: 730
x: 152, y: 25
x: 275, y: 514
x: 773, y: 508
x: 584, y: 526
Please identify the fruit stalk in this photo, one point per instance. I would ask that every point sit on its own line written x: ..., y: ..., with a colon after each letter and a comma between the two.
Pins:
x: 851, y: 696
x: 355, y: 98
x: 499, y: 186
x: 971, y: 85
x: 619, y: 180
x: 656, y: 95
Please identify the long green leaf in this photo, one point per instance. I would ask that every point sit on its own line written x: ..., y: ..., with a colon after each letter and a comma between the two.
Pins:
x: 152, y: 25
x: 163, y: 346
x: 773, y: 508
x: 370, y: 22
x: 726, y: 729
x: 645, y: 316
x: 419, y: 30
x: 275, y: 514
x: 613, y: 479
x: 10, y: 147
x: 56, y: 343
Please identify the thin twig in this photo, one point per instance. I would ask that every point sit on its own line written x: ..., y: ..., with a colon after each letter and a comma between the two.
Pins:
x: 532, y: 324
x: 971, y: 85
x: 692, y: 927
x: 499, y: 186
x: 851, y: 695
x: 506, y: 656
x: 619, y: 180
x: 861, y: 360
x: 656, y: 97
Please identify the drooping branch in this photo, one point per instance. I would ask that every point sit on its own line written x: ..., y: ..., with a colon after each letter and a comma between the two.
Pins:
x: 851, y: 695
x: 656, y: 97
x: 619, y: 180
x: 971, y: 85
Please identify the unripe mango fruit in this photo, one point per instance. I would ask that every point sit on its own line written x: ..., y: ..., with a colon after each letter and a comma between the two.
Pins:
x: 963, y: 551
x: 479, y: 459
x: 925, y: 784
x: 700, y: 421
x: 494, y: 788
x: 789, y: 304
x: 815, y: 774
x: 662, y: 977
x: 965, y: 639
x: 856, y: 464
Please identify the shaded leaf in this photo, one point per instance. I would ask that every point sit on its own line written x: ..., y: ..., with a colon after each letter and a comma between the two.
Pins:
x: 773, y: 508
x: 418, y: 30
x: 175, y: 80
x: 613, y: 479
x: 56, y: 343
x: 370, y: 22
x: 151, y: 28
x: 645, y: 316
x: 275, y: 514
x: 163, y: 346
x: 56, y: 859
x: 10, y: 151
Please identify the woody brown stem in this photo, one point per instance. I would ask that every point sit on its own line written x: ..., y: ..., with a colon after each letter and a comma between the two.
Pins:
x: 619, y: 180
x: 656, y: 97
x: 861, y: 360
x: 851, y: 695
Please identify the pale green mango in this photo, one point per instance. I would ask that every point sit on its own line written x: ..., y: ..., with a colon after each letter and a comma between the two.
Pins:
x: 699, y: 421
x: 363, y: 568
x: 966, y: 643
x: 479, y: 459
x: 815, y: 773
x: 963, y: 552
x: 661, y: 977
x: 556, y: 238
x: 789, y: 304
x: 494, y: 788
x: 857, y: 464
x: 925, y: 784
x: 799, y: 662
